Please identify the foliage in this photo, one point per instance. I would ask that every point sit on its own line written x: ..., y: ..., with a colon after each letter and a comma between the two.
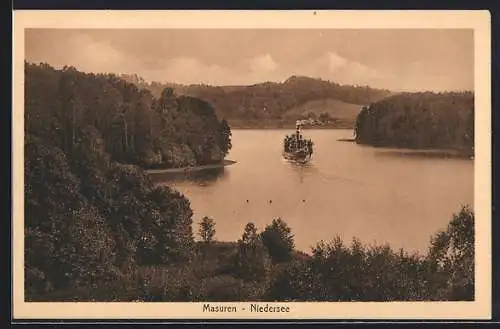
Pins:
x: 224, y: 271
x: 269, y: 101
x: 225, y: 136
x: 207, y: 229
x: 251, y: 260
x: 291, y: 283
x: 378, y: 273
x: 89, y: 218
x: 82, y: 234
x: 226, y: 288
x: 278, y: 239
x: 419, y: 120
x: 451, y: 256
x: 135, y: 127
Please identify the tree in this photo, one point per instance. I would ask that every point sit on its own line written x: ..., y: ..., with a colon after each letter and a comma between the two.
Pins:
x: 68, y: 243
x: 324, y: 117
x: 279, y: 240
x: 92, y: 215
x: 419, y: 120
x: 207, y: 229
x: 250, y: 235
x: 451, y: 257
x: 226, y: 136
x: 168, y: 131
x: 172, y: 225
x: 251, y: 261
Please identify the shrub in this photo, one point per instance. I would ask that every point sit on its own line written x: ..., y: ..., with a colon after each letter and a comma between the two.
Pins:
x: 291, y: 283
x: 224, y: 288
x: 278, y: 239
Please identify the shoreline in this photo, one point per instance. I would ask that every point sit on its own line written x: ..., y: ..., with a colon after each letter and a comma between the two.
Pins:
x: 287, y: 124
x: 180, y: 170
x: 290, y: 127
x: 451, y: 152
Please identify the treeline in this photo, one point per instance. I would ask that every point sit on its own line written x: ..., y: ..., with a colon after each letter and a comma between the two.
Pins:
x: 269, y: 100
x: 264, y: 266
x: 167, y: 130
x: 419, y: 120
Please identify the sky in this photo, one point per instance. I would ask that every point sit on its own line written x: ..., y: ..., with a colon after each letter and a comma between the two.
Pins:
x: 395, y: 59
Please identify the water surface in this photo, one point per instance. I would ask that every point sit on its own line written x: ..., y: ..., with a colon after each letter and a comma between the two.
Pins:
x: 378, y: 195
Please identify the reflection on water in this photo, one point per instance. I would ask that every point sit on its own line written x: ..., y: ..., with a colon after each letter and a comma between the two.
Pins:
x: 302, y: 170
x: 419, y: 154
x: 203, y: 177
x: 208, y: 176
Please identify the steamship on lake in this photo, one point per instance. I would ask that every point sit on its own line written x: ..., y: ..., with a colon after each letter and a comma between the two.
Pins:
x: 296, y: 147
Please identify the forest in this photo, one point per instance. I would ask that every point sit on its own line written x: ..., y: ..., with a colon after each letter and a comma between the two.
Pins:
x: 98, y: 229
x: 419, y: 121
x: 136, y: 127
x: 271, y: 103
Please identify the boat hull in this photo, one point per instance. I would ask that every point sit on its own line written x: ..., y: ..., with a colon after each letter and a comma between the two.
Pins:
x: 297, y: 156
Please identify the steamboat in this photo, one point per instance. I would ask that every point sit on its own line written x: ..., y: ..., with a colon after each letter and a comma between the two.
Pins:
x: 296, y: 148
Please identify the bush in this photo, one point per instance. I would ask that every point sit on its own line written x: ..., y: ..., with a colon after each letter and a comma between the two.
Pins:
x: 225, y: 288
x: 338, y: 272
x: 291, y: 283
x: 278, y: 239
x: 164, y: 283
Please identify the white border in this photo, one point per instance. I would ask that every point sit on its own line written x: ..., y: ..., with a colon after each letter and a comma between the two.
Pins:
x: 477, y: 20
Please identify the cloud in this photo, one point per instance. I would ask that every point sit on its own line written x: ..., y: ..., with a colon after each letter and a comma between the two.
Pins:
x: 83, y: 52
x: 334, y: 67
x: 263, y: 64
x: 187, y: 70
x: 248, y: 57
x: 335, y: 61
x: 99, y: 55
x: 190, y: 70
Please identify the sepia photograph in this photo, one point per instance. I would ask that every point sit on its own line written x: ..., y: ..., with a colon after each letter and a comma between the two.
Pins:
x: 249, y: 169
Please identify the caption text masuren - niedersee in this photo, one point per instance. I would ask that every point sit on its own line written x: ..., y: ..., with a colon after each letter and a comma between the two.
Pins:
x: 255, y: 308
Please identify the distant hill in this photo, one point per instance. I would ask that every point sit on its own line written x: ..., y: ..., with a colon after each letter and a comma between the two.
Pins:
x: 330, y: 109
x: 282, y: 102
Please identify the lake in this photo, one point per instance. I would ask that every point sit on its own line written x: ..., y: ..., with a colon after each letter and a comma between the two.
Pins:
x: 378, y: 195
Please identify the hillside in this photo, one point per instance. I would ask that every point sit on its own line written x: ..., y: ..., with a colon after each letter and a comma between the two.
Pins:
x: 332, y: 107
x: 326, y: 112
x: 420, y: 121
x: 66, y: 106
x: 270, y: 103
